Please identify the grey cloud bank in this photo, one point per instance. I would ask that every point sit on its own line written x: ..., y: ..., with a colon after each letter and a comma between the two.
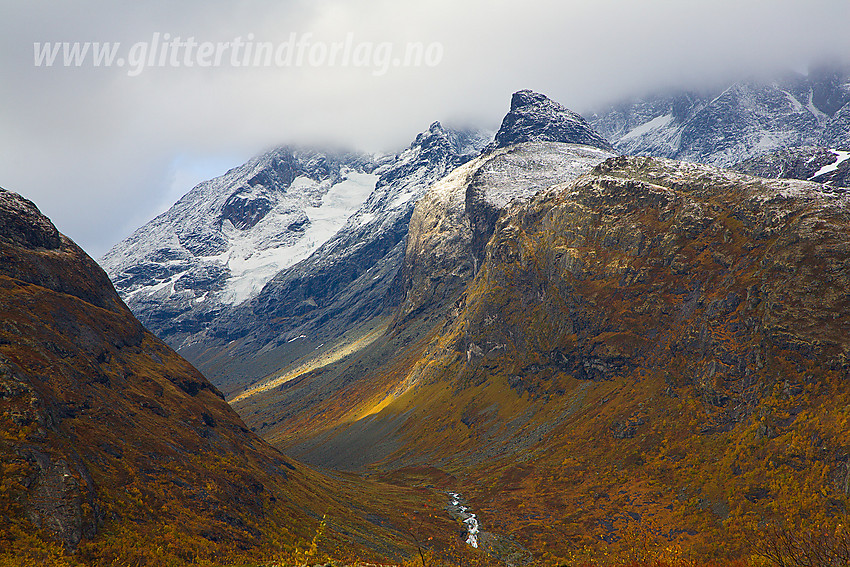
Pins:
x: 103, y: 148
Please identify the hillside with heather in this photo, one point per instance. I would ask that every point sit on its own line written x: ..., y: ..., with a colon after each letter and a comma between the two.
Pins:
x: 116, y: 451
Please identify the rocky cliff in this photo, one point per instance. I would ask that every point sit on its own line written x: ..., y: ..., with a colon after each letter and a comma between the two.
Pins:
x: 455, y: 219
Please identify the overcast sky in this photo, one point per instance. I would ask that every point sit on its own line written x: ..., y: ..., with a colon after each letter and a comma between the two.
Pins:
x: 101, y: 150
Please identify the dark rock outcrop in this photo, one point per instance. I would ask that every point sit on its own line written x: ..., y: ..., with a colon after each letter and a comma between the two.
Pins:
x: 21, y: 223
x: 536, y: 118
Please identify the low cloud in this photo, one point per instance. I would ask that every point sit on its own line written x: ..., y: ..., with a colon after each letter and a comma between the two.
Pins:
x: 99, y: 149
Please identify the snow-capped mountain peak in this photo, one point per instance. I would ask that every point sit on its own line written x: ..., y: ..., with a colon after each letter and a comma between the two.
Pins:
x: 223, y: 240
x: 534, y: 117
x: 228, y: 238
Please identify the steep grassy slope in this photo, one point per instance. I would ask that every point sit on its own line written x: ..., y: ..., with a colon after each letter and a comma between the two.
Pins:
x: 657, y: 347
x: 115, y: 449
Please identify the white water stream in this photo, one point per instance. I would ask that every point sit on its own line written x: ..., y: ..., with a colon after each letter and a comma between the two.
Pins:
x: 468, y: 518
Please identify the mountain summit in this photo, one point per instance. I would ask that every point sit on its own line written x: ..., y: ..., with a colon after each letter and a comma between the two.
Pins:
x: 534, y: 117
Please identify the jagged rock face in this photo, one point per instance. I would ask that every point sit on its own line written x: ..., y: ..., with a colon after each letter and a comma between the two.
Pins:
x: 454, y: 220
x: 221, y: 242
x: 618, y: 120
x: 61, y: 498
x: 724, y: 128
x: 830, y: 167
x: 829, y: 88
x: 534, y: 117
x: 354, y: 275
x: 837, y: 131
x: 744, y: 118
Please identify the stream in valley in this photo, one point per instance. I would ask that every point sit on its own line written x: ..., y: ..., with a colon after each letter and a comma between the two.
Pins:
x: 460, y: 511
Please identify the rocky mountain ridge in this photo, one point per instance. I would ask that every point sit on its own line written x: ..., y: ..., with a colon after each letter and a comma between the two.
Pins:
x: 457, y: 216
x: 197, y: 279
x: 728, y: 126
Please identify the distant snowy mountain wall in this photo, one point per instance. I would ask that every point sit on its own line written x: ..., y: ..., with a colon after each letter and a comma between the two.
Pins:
x: 349, y: 278
x: 334, y: 214
x: 746, y: 119
x: 226, y: 238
